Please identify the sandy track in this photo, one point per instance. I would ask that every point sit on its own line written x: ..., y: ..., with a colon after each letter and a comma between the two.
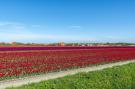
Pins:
x: 38, y: 78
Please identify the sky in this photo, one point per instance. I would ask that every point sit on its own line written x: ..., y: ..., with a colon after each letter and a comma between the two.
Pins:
x: 45, y: 21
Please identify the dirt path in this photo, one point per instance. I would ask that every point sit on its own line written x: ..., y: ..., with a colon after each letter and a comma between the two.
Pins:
x: 38, y: 78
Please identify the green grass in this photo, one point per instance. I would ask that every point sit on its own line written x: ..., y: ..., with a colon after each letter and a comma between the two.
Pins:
x: 122, y: 77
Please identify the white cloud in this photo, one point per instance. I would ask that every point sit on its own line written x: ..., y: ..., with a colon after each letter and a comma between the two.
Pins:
x: 36, y: 26
x: 10, y: 27
x: 13, y: 36
x: 75, y: 27
x: 5, y: 23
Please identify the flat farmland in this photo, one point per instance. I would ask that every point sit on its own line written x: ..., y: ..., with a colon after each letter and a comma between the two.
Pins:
x: 120, y: 77
x: 21, y: 61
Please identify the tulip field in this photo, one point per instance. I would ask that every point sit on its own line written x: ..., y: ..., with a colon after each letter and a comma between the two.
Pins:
x: 20, y: 61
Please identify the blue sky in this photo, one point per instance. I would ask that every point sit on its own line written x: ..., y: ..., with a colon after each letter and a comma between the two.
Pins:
x: 67, y: 20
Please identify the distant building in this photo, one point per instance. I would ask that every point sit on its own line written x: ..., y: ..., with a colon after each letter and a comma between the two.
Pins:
x: 13, y: 42
x: 82, y: 45
x: 61, y: 44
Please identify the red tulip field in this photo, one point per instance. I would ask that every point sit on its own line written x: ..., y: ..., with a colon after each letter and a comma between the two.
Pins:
x: 25, y: 61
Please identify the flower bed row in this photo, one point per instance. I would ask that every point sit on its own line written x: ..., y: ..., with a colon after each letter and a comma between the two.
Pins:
x: 18, y: 63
